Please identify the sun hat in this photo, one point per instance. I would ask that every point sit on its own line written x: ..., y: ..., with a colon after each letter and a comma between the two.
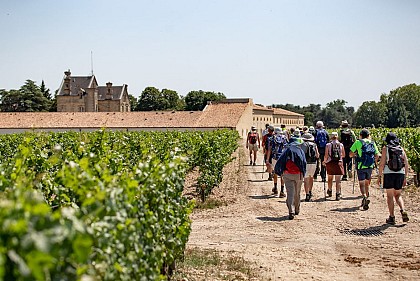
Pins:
x: 271, y: 128
x: 253, y: 128
x: 277, y: 130
x: 307, y: 137
x: 344, y: 123
x: 311, y: 128
x: 296, y: 134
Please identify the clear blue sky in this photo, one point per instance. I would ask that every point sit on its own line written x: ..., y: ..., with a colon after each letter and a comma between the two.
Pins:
x: 274, y: 51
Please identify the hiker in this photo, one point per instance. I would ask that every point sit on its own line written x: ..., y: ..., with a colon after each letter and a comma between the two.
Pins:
x: 321, y: 140
x: 265, y: 142
x: 333, y: 160
x: 347, y: 138
x: 265, y: 131
x: 253, y: 144
x: 394, y: 168
x: 366, y: 153
x: 275, y: 146
x: 292, y: 166
x: 311, y: 155
x: 312, y: 131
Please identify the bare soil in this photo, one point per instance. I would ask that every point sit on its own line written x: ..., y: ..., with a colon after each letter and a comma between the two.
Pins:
x: 328, y: 240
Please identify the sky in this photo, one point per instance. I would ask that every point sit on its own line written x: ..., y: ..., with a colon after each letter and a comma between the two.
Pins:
x: 273, y: 51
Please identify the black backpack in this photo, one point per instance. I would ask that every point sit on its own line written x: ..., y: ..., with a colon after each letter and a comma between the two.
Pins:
x: 395, y: 161
x: 335, y: 152
x: 346, y: 138
x: 310, y: 153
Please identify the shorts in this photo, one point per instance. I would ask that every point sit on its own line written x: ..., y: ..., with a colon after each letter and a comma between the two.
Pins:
x: 364, y: 174
x: 310, y: 170
x: 335, y: 168
x: 394, y: 181
x: 253, y: 147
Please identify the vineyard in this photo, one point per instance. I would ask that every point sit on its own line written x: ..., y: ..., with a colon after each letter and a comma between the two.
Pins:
x: 101, y: 205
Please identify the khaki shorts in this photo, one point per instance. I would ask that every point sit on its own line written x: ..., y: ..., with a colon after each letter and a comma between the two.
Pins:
x: 310, y: 170
x: 253, y: 147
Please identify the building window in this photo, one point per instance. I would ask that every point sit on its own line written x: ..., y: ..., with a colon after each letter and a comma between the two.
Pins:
x: 81, y: 109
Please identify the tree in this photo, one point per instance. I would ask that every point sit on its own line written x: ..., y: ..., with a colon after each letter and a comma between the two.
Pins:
x: 28, y: 98
x: 403, y: 106
x: 153, y: 99
x: 149, y: 100
x: 197, y: 100
x: 45, y: 91
x: 335, y: 112
x: 371, y: 113
x: 133, y: 102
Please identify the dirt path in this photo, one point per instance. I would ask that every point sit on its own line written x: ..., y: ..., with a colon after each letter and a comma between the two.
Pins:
x: 328, y: 240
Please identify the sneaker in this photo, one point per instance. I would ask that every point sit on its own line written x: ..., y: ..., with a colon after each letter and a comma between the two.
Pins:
x: 291, y: 216
x: 329, y: 193
x: 337, y: 196
x: 253, y: 164
x: 349, y: 174
x: 404, y: 216
x: 270, y: 177
x: 274, y: 190
x: 282, y: 195
x: 365, y: 203
x: 344, y: 178
x: 315, y: 177
x: 250, y: 162
x: 390, y: 220
x: 308, y: 197
x: 296, y: 213
x: 323, y: 180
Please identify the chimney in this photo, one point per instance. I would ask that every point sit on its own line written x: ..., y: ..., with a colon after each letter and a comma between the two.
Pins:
x: 108, y: 91
x: 67, y: 82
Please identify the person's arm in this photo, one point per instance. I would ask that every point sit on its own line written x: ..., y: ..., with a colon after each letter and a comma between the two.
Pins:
x: 343, y: 152
x: 327, y: 147
x: 316, y: 151
x: 353, y: 150
x: 382, y: 164
x: 258, y: 139
x: 247, y: 140
x: 376, y: 154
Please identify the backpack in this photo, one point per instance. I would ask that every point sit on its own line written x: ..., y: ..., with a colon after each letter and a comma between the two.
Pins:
x: 310, y: 152
x: 321, y: 138
x: 368, y: 154
x: 293, y: 153
x: 335, y: 152
x: 277, y: 143
x: 346, y: 138
x: 253, y: 138
x: 395, y: 161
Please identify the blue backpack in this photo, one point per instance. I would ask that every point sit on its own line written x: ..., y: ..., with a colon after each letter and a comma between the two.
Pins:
x: 368, y: 154
x: 278, y: 142
x: 321, y: 138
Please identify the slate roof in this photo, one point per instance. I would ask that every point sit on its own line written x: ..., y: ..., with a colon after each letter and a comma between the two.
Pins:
x: 117, y: 92
x: 77, y: 83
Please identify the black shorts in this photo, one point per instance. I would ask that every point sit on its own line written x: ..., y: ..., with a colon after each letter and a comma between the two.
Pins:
x: 393, y: 181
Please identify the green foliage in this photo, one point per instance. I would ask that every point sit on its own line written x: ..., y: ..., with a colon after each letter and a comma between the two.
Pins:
x: 153, y: 99
x: 119, y: 193
x: 29, y: 97
x: 197, y: 100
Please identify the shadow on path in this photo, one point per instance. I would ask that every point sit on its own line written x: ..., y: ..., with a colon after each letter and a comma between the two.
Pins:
x: 346, y: 210
x: 283, y: 218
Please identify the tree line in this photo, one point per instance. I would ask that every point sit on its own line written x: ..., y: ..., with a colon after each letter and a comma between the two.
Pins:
x: 32, y: 97
x: 399, y: 108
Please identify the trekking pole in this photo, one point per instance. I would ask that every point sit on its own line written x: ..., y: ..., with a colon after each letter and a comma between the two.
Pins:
x: 325, y: 192
x: 263, y: 165
x: 380, y: 185
x: 354, y: 172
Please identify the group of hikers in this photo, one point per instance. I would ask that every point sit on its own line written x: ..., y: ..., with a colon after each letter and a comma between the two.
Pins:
x: 297, y: 156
